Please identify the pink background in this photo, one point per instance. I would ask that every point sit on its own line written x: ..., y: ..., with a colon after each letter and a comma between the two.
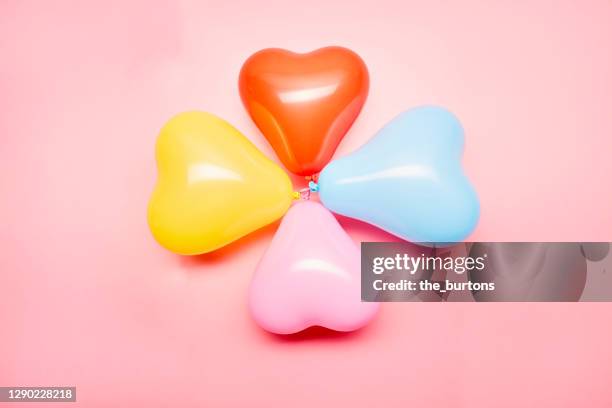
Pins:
x: 87, y: 298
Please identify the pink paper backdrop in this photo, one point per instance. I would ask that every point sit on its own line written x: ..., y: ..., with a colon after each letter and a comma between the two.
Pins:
x: 87, y: 298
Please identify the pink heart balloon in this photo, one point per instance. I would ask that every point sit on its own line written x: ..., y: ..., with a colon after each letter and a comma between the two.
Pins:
x: 309, y: 276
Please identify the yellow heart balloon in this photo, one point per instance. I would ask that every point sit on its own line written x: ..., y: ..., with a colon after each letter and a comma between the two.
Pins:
x: 214, y: 186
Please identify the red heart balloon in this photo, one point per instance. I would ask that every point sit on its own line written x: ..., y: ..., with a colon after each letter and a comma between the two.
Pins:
x: 304, y: 103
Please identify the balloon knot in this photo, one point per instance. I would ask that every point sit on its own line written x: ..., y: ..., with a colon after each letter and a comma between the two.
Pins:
x: 304, y: 194
x: 314, y: 177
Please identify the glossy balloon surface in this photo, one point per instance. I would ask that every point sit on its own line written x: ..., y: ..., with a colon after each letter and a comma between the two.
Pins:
x: 304, y: 103
x: 309, y: 276
x: 407, y: 180
x: 214, y: 186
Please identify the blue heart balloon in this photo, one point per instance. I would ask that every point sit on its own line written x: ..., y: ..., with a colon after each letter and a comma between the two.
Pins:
x: 407, y: 180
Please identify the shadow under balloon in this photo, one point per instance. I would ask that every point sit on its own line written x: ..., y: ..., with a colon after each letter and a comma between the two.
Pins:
x: 233, y: 249
x: 266, y: 233
x: 362, y: 229
x: 319, y: 334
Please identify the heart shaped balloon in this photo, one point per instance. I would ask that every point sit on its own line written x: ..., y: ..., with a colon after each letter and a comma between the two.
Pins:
x: 309, y: 276
x: 407, y: 180
x: 304, y: 103
x: 214, y: 186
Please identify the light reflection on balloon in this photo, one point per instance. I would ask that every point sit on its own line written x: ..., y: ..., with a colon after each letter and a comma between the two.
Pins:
x: 407, y: 180
x: 304, y: 103
x: 214, y: 186
x: 309, y: 276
